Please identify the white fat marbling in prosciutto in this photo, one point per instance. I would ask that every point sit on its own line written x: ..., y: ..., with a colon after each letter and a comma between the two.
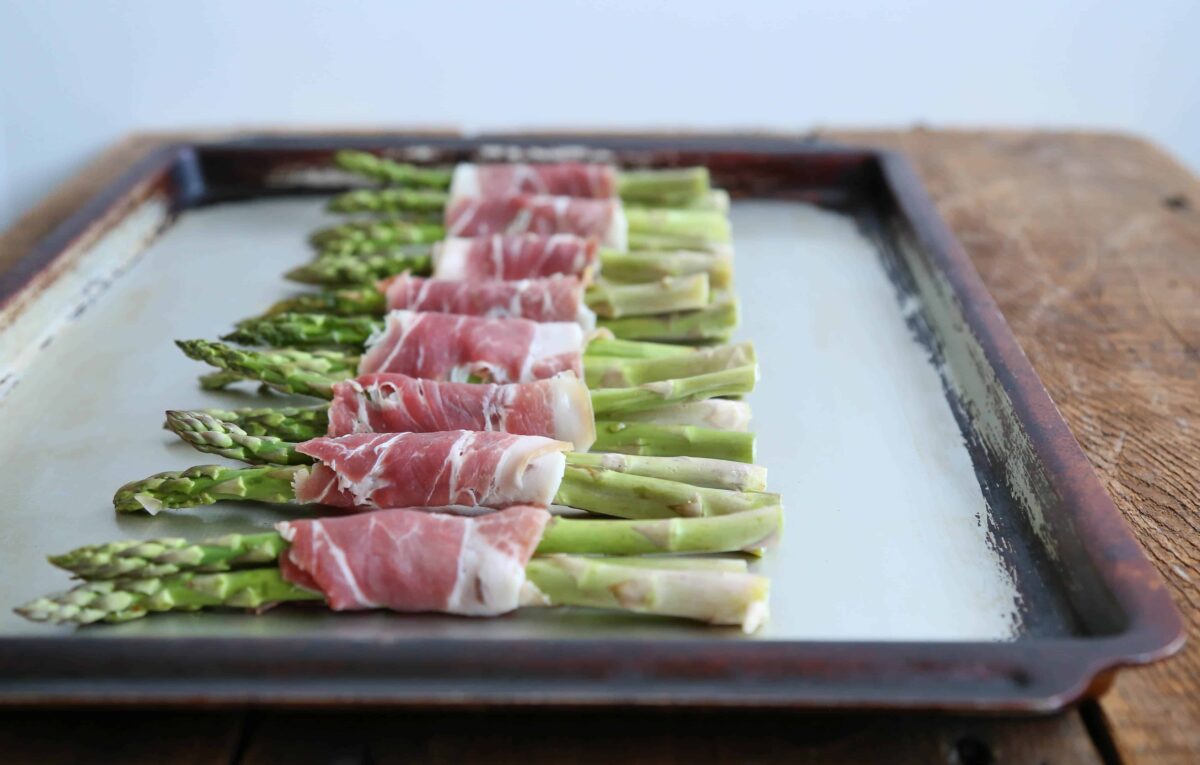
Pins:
x: 568, y: 179
x: 514, y: 256
x: 600, y: 219
x: 558, y: 408
x: 554, y: 298
x: 443, y: 346
x: 456, y: 469
x: 411, y: 560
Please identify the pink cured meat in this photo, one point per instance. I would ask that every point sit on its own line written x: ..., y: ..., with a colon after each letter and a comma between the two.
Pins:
x: 517, y: 256
x: 601, y: 219
x: 560, y: 408
x: 443, y: 346
x: 568, y: 179
x: 557, y: 298
x: 454, y: 469
x: 411, y: 560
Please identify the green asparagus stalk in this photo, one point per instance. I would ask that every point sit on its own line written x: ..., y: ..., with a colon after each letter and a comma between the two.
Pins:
x: 391, y: 201
x: 139, y: 559
x: 213, y: 436
x: 713, y: 323
x: 667, y: 295
x: 697, y: 471
x: 741, y: 532
x: 699, y: 593
x: 715, y: 597
x: 360, y: 269
x: 606, y: 492
x: 620, y: 373
x: 610, y: 347
x: 376, y: 236
x: 122, y: 600
x: 735, y: 381
x: 650, y: 266
x: 288, y: 423
x: 392, y: 172
x: 206, y: 485
x: 673, y: 440
x: 309, y: 373
x: 691, y: 229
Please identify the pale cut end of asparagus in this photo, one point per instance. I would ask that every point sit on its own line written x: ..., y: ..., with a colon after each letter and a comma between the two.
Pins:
x: 715, y: 413
x: 750, y: 531
x: 713, y: 597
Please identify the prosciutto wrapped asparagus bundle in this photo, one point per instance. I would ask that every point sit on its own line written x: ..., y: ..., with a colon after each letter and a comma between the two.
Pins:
x: 549, y: 298
x: 362, y: 253
x: 674, y: 187
x: 561, y: 408
x: 413, y: 561
x: 454, y: 470
x: 604, y: 221
x: 452, y: 347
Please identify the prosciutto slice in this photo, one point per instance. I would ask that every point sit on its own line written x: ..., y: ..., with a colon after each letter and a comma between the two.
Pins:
x: 456, y: 469
x: 409, y: 560
x: 568, y: 179
x: 559, y: 408
x: 517, y: 256
x: 443, y: 346
x: 555, y: 298
x: 601, y: 219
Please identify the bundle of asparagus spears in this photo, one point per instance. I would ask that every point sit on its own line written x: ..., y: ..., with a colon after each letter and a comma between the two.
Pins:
x: 458, y: 408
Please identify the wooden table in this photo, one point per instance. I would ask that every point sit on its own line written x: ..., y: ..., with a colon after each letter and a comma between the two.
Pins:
x: 1091, y: 245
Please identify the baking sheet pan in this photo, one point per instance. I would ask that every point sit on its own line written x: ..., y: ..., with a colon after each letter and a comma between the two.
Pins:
x: 931, y: 557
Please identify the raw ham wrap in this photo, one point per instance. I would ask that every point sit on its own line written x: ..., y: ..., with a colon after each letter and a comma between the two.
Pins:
x: 443, y: 346
x: 568, y: 179
x: 517, y: 256
x: 458, y: 469
x: 558, y: 408
x: 600, y: 219
x: 554, y: 298
x: 410, y: 560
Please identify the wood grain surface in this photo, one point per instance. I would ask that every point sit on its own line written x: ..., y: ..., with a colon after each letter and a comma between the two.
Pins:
x: 1091, y: 245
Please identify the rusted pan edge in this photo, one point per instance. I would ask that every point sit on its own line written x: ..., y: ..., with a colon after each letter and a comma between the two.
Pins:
x: 1154, y: 627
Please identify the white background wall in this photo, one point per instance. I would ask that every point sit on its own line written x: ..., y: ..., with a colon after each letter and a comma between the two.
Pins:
x: 77, y: 74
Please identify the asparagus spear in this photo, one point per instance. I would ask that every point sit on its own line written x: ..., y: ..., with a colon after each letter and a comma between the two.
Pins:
x: 293, y: 372
x: 653, y: 440
x: 699, y: 593
x: 675, y: 186
x: 697, y: 471
x: 620, y: 373
x: 340, y: 269
x: 714, y: 323
x: 741, y: 532
x: 606, y: 492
